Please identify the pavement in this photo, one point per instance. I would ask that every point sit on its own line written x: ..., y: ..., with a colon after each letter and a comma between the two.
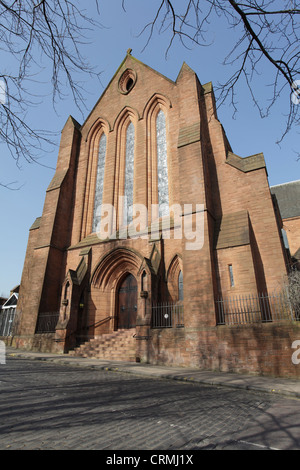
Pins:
x: 274, y: 385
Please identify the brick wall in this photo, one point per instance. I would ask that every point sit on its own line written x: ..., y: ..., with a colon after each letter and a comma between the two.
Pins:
x: 264, y: 349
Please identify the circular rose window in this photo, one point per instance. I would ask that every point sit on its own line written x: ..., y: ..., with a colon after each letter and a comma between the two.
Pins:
x: 127, y: 81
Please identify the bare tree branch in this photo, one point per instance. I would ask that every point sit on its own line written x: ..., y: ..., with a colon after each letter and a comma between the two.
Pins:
x: 33, y: 32
x: 53, y: 30
x: 268, y: 38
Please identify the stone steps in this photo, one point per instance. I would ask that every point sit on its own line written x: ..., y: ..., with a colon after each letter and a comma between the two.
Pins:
x: 119, y: 345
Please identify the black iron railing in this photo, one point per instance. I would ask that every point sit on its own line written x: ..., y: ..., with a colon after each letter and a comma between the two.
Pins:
x: 7, y: 319
x: 47, y: 322
x: 256, y: 308
x: 167, y: 315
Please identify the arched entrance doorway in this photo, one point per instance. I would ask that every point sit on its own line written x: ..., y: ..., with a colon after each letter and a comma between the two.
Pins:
x: 127, y: 303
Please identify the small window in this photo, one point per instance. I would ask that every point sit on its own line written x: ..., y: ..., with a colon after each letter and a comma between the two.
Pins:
x: 231, y: 275
x: 129, y: 84
x: 127, y: 81
x: 180, y: 286
x: 144, y: 281
x: 67, y: 288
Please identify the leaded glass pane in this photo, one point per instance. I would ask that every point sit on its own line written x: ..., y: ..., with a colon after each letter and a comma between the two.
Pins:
x: 99, y: 184
x: 162, y: 165
x: 129, y: 171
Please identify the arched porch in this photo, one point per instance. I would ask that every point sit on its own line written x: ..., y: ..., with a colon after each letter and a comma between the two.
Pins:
x: 120, y: 289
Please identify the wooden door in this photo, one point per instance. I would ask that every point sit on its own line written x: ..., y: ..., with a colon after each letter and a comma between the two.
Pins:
x: 127, y: 303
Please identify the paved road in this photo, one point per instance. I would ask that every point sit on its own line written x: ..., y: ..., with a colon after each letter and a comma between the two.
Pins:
x: 60, y: 407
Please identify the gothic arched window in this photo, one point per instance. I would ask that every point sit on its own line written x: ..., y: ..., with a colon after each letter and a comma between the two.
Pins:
x: 99, y: 184
x: 129, y: 174
x: 162, y: 165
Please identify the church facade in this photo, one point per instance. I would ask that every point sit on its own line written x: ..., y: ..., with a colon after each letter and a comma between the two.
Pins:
x: 150, y: 220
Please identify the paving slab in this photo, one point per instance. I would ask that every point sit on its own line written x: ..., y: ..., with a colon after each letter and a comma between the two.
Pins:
x: 275, y: 385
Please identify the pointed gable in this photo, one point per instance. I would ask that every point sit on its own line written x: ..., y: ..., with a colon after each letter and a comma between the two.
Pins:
x: 129, y: 78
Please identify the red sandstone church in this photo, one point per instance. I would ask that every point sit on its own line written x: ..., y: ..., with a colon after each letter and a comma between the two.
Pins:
x: 153, y: 156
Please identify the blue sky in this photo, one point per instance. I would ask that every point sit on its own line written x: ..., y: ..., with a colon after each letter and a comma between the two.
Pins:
x: 247, y: 133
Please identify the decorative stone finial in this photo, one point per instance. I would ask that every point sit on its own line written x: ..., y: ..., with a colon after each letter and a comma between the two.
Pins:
x: 129, y: 51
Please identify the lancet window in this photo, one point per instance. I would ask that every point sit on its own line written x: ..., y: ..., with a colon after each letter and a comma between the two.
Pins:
x: 129, y: 175
x: 99, y: 184
x: 162, y: 164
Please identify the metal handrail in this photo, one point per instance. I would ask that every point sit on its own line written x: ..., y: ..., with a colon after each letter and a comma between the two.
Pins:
x: 85, y: 328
